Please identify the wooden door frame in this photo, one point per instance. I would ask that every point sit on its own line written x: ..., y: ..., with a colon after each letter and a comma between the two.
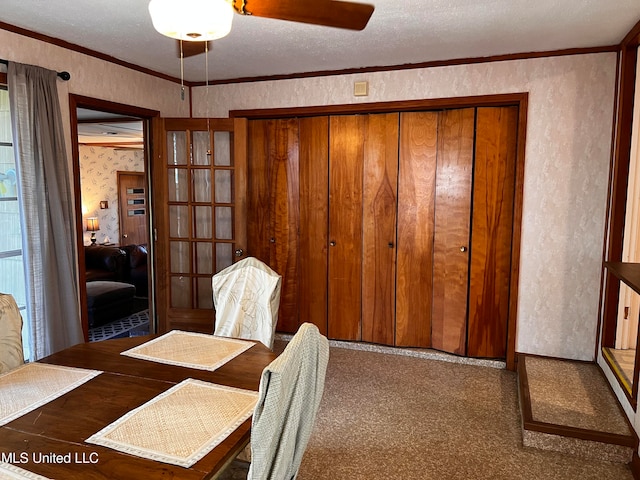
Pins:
x: 521, y: 100
x: 145, y: 115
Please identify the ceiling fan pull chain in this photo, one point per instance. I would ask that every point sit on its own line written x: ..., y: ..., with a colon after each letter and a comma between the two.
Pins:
x: 181, y: 72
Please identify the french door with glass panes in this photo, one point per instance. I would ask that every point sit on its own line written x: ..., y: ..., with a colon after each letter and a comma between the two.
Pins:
x: 199, y: 175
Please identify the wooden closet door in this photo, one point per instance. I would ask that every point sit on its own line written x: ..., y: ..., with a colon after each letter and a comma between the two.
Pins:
x: 380, y: 192
x: 452, y: 223
x: 416, y: 185
x: 346, y: 152
x: 258, y: 190
x: 492, y: 227
x: 314, y: 214
x: 273, y: 207
x: 285, y: 219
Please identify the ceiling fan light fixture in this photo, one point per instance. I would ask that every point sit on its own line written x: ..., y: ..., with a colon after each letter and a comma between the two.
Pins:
x: 192, y: 20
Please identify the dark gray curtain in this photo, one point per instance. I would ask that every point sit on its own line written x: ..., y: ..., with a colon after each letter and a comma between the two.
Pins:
x: 46, y: 207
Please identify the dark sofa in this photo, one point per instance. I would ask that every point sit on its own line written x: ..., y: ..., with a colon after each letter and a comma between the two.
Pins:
x: 135, y: 271
x: 117, y: 282
x: 104, y: 263
x: 127, y: 264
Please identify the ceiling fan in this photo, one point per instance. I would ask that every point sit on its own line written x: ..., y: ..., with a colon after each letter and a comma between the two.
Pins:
x: 198, y: 21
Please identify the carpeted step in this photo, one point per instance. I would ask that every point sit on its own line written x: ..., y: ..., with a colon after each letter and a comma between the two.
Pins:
x: 567, y: 406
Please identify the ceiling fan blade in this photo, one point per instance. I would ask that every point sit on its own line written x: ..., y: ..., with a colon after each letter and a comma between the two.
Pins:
x: 189, y: 49
x: 330, y: 13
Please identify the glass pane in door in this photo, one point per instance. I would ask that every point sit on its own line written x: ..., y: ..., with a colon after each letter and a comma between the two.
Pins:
x: 201, y: 148
x: 179, y: 221
x: 223, y: 186
x: 177, y: 148
x: 202, y: 185
x: 222, y: 149
x: 224, y: 256
x: 224, y: 223
x: 204, y: 259
x: 178, y: 181
x: 202, y: 222
x: 181, y: 292
x: 179, y: 257
x: 204, y: 293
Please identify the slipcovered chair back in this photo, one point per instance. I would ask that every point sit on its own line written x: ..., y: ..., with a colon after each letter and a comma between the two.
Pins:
x: 11, y: 355
x: 246, y: 297
x: 291, y: 388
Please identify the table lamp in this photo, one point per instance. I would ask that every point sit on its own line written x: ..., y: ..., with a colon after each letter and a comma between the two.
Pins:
x: 93, y: 226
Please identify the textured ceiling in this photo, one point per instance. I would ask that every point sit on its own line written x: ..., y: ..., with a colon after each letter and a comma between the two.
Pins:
x: 399, y: 32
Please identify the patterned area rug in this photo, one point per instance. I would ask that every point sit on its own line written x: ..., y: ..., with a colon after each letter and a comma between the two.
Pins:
x: 133, y: 325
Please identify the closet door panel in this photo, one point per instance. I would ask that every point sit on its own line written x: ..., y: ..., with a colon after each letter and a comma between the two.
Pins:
x: 258, y: 190
x: 492, y: 227
x: 452, y: 224
x: 380, y: 192
x: 314, y: 216
x: 346, y: 151
x: 284, y: 209
x: 416, y: 185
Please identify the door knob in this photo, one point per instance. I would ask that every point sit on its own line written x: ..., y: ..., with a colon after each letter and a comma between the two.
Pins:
x: 239, y: 252
x: 390, y: 244
x: 332, y: 243
x: 272, y: 240
x: 463, y: 248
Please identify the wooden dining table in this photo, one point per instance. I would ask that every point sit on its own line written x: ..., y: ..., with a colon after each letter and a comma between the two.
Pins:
x: 60, y: 427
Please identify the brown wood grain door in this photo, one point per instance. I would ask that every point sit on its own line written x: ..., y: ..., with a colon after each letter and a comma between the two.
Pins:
x: 416, y: 207
x: 314, y: 227
x: 492, y: 227
x: 285, y: 218
x: 132, y: 208
x: 273, y: 216
x: 346, y: 154
x: 199, y: 175
x: 259, y: 190
x: 379, y: 200
x: 452, y: 229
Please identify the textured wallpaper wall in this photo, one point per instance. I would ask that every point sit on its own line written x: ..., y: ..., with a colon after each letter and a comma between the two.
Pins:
x: 566, y: 172
x: 99, y: 181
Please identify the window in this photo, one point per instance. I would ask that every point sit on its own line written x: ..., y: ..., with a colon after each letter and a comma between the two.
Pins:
x: 12, y: 276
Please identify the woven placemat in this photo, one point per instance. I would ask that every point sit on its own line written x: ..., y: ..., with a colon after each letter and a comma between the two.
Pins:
x: 11, y: 472
x: 189, y: 349
x: 29, y: 386
x: 181, y: 425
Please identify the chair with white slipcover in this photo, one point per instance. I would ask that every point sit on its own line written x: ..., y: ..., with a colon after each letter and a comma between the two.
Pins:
x: 11, y: 355
x: 246, y: 297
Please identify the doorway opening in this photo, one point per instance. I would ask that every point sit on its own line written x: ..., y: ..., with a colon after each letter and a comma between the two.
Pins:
x: 113, y: 217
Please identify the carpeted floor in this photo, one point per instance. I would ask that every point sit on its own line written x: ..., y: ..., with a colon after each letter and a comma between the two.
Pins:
x: 394, y: 417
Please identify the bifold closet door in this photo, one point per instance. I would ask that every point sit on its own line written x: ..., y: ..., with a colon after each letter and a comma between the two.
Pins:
x: 416, y: 185
x: 454, y: 177
x: 380, y: 193
x: 273, y: 207
x: 346, y: 159
x: 314, y: 213
x: 492, y: 227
